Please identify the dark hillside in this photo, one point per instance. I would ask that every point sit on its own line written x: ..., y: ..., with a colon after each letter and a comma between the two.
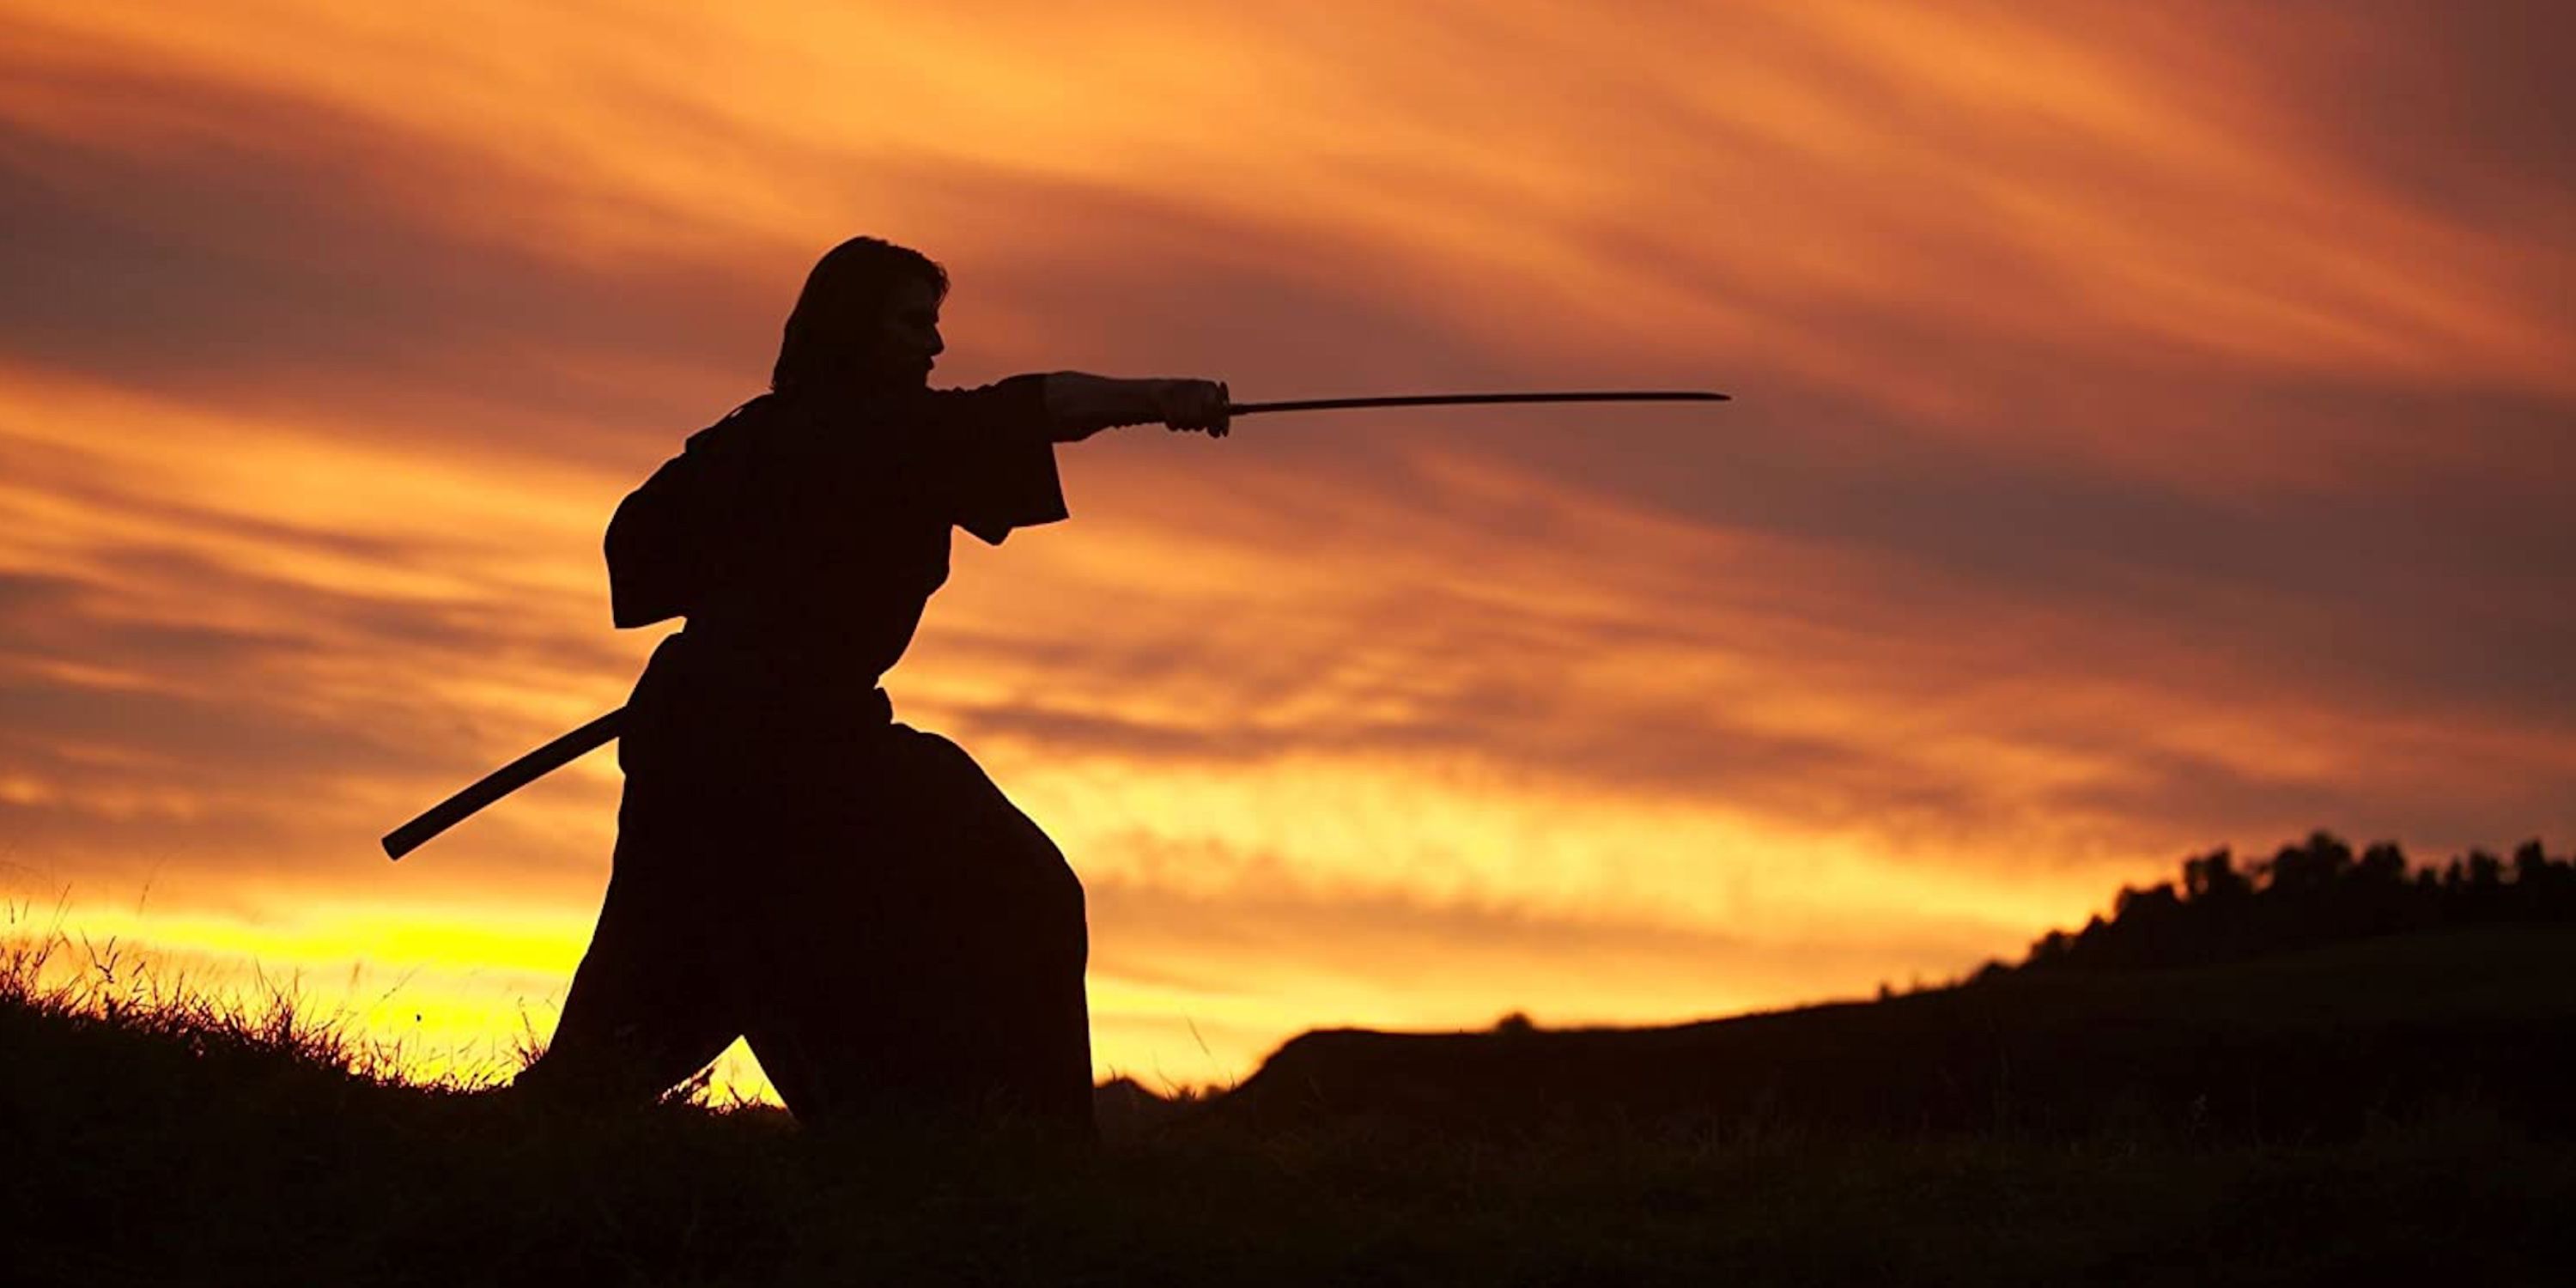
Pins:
x: 181, y: 1147
x: 2392, y: 1108
x: 2318, y: 1043
x: 2304, y: 994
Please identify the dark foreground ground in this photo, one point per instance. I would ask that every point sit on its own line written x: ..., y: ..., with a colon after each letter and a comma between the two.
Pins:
x: 2063, y: 1130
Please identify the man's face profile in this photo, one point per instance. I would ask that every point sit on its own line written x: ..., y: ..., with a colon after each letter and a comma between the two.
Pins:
x: 906, y: 340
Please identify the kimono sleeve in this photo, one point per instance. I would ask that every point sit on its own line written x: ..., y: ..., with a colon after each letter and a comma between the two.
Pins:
x: 663, y: 544
x: 652, y: 564
x: 996, y: 457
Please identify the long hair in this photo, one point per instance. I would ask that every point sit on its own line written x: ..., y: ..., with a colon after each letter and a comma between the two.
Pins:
x: 843, y: 300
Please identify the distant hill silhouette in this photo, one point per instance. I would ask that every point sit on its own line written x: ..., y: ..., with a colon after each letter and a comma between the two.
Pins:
x: 2315, y: 993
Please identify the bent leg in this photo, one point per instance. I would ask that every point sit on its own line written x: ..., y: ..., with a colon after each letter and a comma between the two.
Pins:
x: 949, y: 980
x: 648, y: 1006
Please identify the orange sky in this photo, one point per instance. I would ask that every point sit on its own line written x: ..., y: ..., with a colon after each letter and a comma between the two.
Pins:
x: 2154, y: 433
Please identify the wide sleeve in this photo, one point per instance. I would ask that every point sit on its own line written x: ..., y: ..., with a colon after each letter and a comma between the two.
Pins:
x: 666, y: 541
x: 654, y: 568
x: 991, y: 453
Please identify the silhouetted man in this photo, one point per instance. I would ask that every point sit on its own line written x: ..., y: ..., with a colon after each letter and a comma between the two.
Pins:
x: 852, y: 895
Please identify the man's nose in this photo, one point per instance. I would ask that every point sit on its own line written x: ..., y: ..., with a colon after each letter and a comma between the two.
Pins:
x: 937, y: 345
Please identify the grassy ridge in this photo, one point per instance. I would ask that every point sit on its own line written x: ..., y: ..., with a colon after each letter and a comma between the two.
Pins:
x: 170, y: 1143
x: 2299, y: 1046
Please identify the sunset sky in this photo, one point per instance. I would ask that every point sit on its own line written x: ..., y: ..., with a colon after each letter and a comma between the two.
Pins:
x: 2155, y: 430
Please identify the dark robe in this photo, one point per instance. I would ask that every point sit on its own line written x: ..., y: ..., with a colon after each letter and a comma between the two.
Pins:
x: 855, y: 897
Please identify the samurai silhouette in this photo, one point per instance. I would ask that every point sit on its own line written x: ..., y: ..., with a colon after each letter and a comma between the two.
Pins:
x: 794, y: 867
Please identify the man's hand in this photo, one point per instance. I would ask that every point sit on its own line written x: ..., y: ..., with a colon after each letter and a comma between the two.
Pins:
x: 1083, y: 405
x: 1190, y: 405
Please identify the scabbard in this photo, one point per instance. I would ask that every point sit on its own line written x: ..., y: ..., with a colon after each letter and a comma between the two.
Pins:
x: 503, y: 781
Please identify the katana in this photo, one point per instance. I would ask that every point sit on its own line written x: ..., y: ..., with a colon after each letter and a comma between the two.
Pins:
x: 604, y: 730
x: 1470, y: 400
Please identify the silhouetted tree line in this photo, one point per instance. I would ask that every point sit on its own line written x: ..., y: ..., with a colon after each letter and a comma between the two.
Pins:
x: 2317, y: 892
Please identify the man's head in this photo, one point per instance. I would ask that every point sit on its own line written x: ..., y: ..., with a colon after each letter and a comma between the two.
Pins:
x: 868, y: 319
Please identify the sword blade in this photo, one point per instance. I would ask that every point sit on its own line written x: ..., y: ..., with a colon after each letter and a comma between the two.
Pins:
x: 1465, y: 400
